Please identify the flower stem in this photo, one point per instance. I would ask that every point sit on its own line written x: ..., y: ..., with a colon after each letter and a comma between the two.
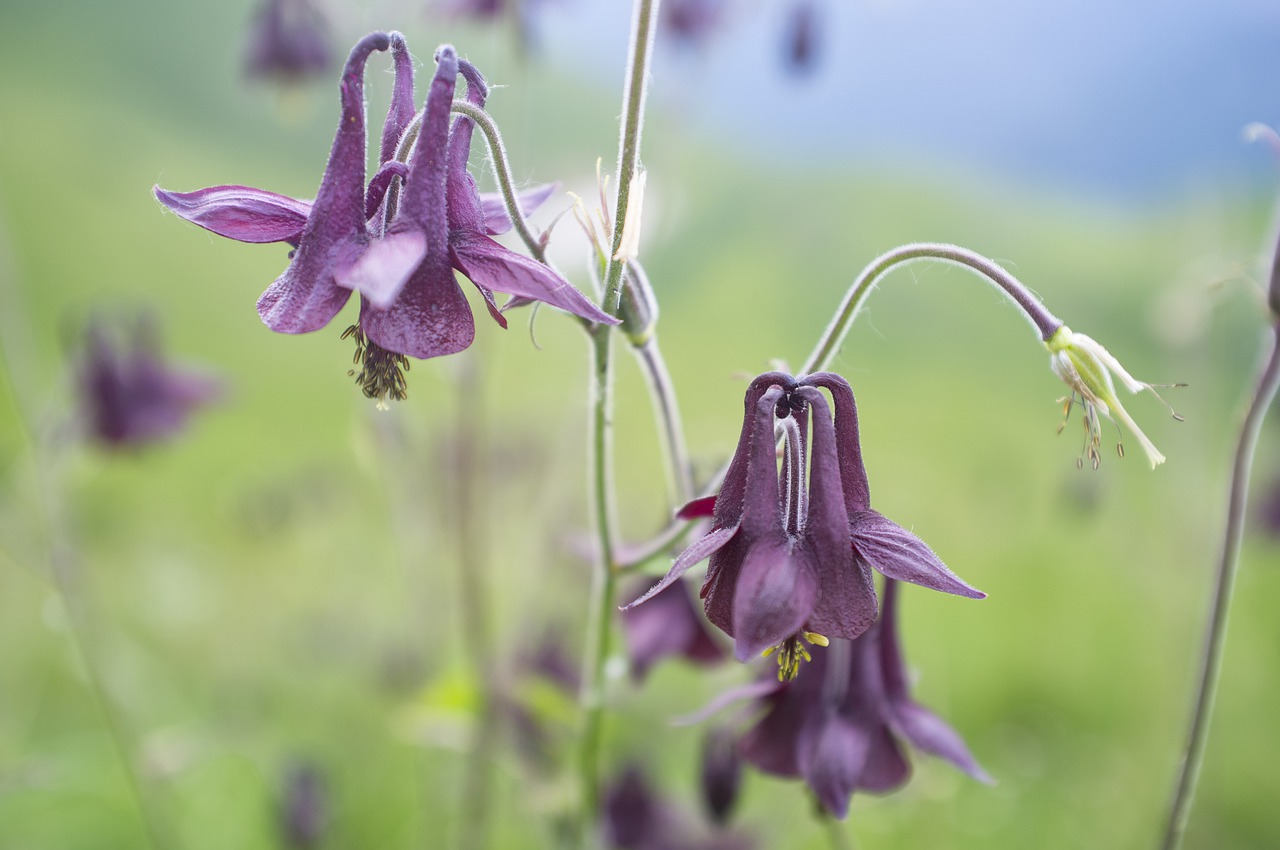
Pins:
x: 1216, y: 629
x: 837, y: 835
x: 666, y: 410
x: 604, y: 580
x: 1044, y: 322
x: 469, y: 519
x: 502, y: 172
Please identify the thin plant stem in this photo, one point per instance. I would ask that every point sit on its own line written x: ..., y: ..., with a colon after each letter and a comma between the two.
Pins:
x: 502, y: 173
x: 837, y: 836
x: 63, y: 559
x: 1216, y: 629
x: 604, y: 579
x: 649, y: 355
x: 62, y: 566
x: 1044, y: 322
x: 667, y: 411
x: 469, y: 519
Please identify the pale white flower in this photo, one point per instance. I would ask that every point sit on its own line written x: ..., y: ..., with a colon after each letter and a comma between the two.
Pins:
x: 1087, y: 368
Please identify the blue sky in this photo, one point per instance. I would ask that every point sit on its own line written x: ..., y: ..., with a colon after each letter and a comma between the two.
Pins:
x: 1126, y: 99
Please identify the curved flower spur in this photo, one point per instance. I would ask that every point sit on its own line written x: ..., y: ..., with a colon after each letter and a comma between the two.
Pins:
x: 397, y: 249
x: 791, y: 557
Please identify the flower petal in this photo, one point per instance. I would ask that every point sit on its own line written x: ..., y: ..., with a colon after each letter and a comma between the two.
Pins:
x: 729, y: 503
x: 306, y: 297
x: 775, y: 594
x: 831, y: 755
x: 491, y: 266
x: 697, y: 551
x: 385, y: 266
x: 846, y: 605
x: 430, y: 318
x: 853, y: 473
x: 400, y: 113
x: 926, y: 731
x: 897, y: 553
x: 240, y: 212
x: 494, y: 208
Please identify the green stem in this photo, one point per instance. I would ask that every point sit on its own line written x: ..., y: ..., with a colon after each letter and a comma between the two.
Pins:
x: 1216, y: 629
x: 15, y: 349
x: 837, y: 835
x: 502, y: 172
x: 663, y: 395
x: 604, y: 580
x: 1043, y: 321
x: 471, y: 533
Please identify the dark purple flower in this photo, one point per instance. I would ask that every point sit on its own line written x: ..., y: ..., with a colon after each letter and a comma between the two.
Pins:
x: 395, y: 240
x: 636, y: 818
x: 802, y: 37
x: 289, y: 41
x: 791, y: 558
x: 129, y: 396
x: 691, y: 22
x: 304, y: 810
x: 668, y: 625
x: 721, y: 773
x: 838, y: 723
x: 412, y: 303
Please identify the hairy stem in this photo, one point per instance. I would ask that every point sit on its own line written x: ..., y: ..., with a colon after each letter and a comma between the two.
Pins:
x: 663, y: 395
x: 502, y: 172
x: 1044, y: 322
x: 1216, y: 629
x: 604, y: 581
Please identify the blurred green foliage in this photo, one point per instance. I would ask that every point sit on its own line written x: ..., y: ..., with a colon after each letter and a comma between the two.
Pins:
x: 280, y: 585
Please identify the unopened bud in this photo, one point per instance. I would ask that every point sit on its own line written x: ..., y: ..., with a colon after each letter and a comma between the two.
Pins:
x: 638, y: 309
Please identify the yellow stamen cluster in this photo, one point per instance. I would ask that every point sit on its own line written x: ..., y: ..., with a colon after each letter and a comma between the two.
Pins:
x: 381, y: 372
x: 792, y: 653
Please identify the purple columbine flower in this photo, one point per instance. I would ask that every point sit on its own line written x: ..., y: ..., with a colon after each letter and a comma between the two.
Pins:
x: 791, y: 558
x: 289, y: 41
x: 129, y: 397
x: 396, y: 248
x: 412, y: 303
x: 839, y: 723
x: 668, y: 625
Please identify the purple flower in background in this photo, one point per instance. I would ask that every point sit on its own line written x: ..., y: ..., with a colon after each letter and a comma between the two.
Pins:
x: 791, y: 558
x: 304, y: 810
x: 397, y: 240
x: 668, y: 625
x: 636, y: 818
x: 289, y: 40
x: 129, y: 396
x: 691, y: 22
x: 802, y: 37
x: 838, y: 725
x: 721, y: 773
x: 412, y: 303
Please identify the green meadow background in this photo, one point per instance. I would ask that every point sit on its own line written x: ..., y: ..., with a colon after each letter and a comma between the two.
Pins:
x: 279, y: 585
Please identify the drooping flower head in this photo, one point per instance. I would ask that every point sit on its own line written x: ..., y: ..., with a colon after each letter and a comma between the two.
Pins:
x: 128, y: 395
x: 791, y: 556
x: 1087, y: 368
x: 840, y: 722
x: 395, y: 240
